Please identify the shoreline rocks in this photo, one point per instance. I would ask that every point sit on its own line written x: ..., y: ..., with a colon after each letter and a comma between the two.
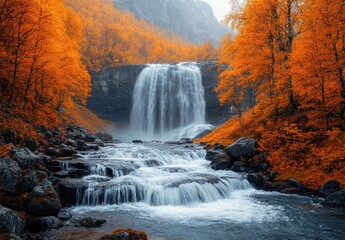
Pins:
x: 31, y: 173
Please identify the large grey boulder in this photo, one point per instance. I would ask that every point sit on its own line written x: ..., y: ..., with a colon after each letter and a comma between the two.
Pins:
x: 10, y: 175
x: 43, y: 200
x: 336, y: 199
x: 242, y: 148
x: 25, y: 158
x: 11, y: 222
x: 329, y: 187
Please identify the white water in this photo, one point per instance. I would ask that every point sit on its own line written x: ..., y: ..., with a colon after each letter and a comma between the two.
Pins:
x: 169, y: 181
x: 168, y: 103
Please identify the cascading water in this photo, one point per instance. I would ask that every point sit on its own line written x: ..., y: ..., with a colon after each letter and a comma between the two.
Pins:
x: 168, y: 102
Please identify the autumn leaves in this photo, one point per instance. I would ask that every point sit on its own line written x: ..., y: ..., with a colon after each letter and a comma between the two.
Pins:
x: 292, y: 52
x: 39, y: 54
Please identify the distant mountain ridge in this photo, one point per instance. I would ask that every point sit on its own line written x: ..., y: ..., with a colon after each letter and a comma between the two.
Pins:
x: 190, y: 19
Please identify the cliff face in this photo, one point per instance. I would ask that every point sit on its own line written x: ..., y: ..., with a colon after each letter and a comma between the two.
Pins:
x: 112, y: 93
x: 190, y: 19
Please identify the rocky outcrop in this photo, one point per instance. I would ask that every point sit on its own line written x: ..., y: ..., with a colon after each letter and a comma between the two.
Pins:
x: 112, y: 93
x: 11, y: 222
x: 190, y: 19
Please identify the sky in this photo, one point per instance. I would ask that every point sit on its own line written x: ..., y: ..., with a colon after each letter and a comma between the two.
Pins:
x: 220, y: 7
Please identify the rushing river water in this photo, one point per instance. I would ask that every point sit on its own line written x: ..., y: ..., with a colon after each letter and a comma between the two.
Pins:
x: 171, y: 192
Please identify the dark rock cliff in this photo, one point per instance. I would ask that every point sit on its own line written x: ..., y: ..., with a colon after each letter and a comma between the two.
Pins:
x: 190, y: 19
x: 112, y: 93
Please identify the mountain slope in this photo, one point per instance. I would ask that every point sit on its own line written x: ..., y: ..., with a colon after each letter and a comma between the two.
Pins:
x: 190, y: 19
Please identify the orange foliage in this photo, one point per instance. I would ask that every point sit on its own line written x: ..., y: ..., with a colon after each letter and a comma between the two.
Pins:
x: 114, y: 38
x: 84, y: 117
x: 292, y: 53
x: 41, y: 69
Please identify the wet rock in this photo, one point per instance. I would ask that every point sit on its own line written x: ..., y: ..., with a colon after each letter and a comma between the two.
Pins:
x: 64, y: 215
x: 82, y: 129
x: 28, y: 182
x: 105, y: 137
x: 245, y: 148
x: 184, y: 141
x: 222, y: 164
x: 217, y: 146
x: 43, y: 200
x: 67, y: 152
x: 30, y: 143
x: 125, y: 234
x: 137, y: 141
x: 78, y: 173
x: 38, y: 224
x: 25, y: 158
x: 239, y: 166
x: 81, y: 145
x: 329, y: 187
x: 79, y: 165
x: 14, y: 202
x: 41, y: 129
x: 61, y: 174
x: 11, y: 222
x: 215, y: 154
x: 91, y: 147
x: 9, y: 236
x: 336, y: 199
x: 99, y: 142
x: 90, y: 222
x: 256, y: 179
x: 52, y: 152
x: 70, y: 189
x: 272, y: 175
x: 89, y: 138
x: 296, y: 184
x: 171, y: 142
x: 9, y: 175
x: 71, y: 142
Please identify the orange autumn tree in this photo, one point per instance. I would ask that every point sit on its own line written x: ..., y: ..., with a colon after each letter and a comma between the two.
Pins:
x: 115, y: 38
x: 41, y: 66
x: 292, y: 53
x: 318, y: 63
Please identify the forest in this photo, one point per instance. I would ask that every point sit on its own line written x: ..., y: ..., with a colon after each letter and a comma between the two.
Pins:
x: 292, y: 53
x: 110, y: 122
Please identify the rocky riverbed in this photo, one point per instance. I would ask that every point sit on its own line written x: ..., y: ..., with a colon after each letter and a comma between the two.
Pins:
x: 75, y: 182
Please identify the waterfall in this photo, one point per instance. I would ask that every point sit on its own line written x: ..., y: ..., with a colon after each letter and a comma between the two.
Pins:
x: 166, y: 100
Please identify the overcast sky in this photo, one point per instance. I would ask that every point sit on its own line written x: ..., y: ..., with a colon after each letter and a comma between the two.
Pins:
x: 220, y: 7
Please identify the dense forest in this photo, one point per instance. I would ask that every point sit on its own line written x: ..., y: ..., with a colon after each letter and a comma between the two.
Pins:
x: 48, y: 49
x: 292, y: 53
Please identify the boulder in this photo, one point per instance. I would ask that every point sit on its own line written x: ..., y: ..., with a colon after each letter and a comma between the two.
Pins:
x: 91, y: 147
x: 296, y: 184
x: 30, y: 143
x: 217, y: 146
x: 64, y: 215
x: 215, y: 154
x: 137, y: 141
x: 89, y: 138
x: 43, y: 200
x: 70, y: 189
x: 90, y: 222
x: 52, y: 152
x: 125, y: 234
x: 222, y: 164
x: 99, y: 142
x: 329, y: 187
x: 14, y: 202
x: 239, y: 166
x: 257, y: 163
x: 38, y: 224
x: 11, y: 222
x: 242, y: 148
x: 78, y: 173
x: 184, y: 141
x: 10, y: 175
x: 71, y: 142
x: 105, y: 137
x: 256, y: 179
x: 28, y: 182
x: 336, y: 199
x: 67, y: 152
x: 25, y: 158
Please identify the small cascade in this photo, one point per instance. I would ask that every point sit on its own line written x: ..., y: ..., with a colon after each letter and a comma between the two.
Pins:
x: 167, y: 99
x: 155, y: 174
